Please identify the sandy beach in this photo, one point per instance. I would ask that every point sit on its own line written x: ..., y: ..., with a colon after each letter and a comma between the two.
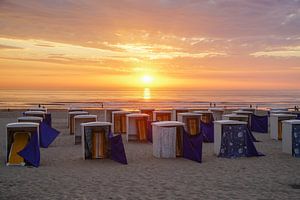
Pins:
x: 63, y: 173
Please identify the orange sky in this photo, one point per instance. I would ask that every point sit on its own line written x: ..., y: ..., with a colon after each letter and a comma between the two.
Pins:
x: 88, y: 45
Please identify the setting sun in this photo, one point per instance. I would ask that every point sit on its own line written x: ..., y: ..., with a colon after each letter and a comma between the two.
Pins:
x: 147, y: 79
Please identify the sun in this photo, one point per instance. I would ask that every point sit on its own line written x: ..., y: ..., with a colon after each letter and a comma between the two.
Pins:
x: 147, y: 79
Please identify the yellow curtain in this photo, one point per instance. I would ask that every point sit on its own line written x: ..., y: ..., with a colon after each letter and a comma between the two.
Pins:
x: 192, y: 125
x: 19, y: 143
x: 141, y: 125
x: 99, y: 145
x: 179, y: 142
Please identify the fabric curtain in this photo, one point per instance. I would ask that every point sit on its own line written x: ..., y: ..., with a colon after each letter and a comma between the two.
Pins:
x: 259, y: 123
x: 47, y: 134
x: 179, y: 142
x: 31, y: 153
x: 207, y: 129
x: 117, y: 123
x: 296, y: 140
x: 117, y: 149
x: 141, y: 125
x: 236, y: 142
x: 193, y: 125
x: 163, y: 117
x: 192, y: 146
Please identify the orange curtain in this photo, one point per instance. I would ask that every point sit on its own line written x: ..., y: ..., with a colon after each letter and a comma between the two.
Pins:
x: 148, y: 112
x: 192, y: 125
x: 141, y: 125
x: 123, y: 124
x: 117, y: 123
x: 163, y: 117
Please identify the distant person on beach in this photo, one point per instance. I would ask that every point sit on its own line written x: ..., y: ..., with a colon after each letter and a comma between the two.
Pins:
x: 250, y: 105
x: 214, y: 104
x: 39, y: 105
x: 210, y: 104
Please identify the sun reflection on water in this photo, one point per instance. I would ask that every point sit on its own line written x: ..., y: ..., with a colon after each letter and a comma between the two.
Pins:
x: 147, y: 93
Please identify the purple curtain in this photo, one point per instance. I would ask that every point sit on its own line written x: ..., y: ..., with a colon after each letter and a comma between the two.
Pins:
x: 207, y: 130
x: 237, y: 142
x: 259, y: 123
x: 47, y: 134
x: 117, y: 149
x: 48, y: 119
x: 192, y: 146
x: 31, y: 153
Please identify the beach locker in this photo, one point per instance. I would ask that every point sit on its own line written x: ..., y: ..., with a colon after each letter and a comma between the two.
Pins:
x: 77, y: 121
x: 176, y: 111
x: 38, y: 109
x: 41, y: 114
x: 148, y: 111
x: 167, y: 139
x: 276, y: 124
x: 236, y: 117
x: 206, y: 116
x: 218, y: 131
x: 71, y: 117
x: 192, y: 122
x: 137, y: 127
x: 119, y: 121
x: 108, y: 114
x: 291, y: 137
x: 30, y: 119
x: 162, y: 115
x: 217, y: 113
x: 18, y: 136
x: 95, y: 137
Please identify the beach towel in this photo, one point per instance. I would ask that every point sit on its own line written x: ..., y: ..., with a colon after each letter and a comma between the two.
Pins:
x: 47, y: 134
x: 296, y: 140
x: 19, y: 143
x: 207, y: 129
x: 31, y: 153
x: 237, y: 142
x: 192, y: 146
x: 259, y: 123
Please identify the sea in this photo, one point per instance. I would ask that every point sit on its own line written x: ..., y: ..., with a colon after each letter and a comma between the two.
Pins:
x: 149, y: 98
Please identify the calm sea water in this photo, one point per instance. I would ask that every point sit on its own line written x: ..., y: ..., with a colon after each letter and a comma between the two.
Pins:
x: 147, y: 98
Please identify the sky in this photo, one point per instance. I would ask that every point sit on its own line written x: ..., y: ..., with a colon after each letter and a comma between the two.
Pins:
x: 164, y: 44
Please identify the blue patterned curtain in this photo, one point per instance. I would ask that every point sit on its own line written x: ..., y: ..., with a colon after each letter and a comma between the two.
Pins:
x: 237, y: 142
x: 296, y: 140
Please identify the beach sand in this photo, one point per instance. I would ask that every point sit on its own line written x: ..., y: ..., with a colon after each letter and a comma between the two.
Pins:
x: 63, y: 173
